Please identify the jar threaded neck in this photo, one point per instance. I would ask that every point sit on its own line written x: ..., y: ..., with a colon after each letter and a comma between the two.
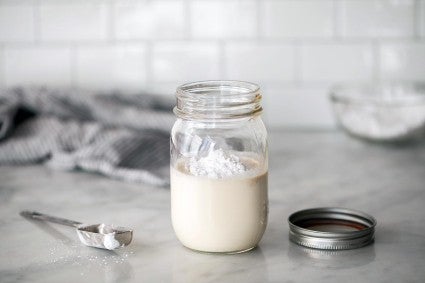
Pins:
x: 216, y: 100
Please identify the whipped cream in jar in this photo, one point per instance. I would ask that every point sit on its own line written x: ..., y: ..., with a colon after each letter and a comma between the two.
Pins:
x: 219, y: 167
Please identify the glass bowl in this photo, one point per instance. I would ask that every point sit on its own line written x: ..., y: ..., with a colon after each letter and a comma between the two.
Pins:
x: 382, y: 112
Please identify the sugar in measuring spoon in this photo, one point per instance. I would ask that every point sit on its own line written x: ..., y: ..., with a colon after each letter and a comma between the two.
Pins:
x: 102, y: 236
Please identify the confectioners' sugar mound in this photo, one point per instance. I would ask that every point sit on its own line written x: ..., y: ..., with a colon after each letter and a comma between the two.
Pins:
x: 217, y: 164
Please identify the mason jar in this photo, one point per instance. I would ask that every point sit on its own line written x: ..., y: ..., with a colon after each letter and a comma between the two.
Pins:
x: 219, y: 167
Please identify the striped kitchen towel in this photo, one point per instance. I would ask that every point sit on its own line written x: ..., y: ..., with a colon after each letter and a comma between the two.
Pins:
x: 121, y: 136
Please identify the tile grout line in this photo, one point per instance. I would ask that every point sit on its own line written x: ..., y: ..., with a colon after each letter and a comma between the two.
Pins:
x: 418, y: 19
x: 337, y: 34
x: 284, y: 41
x: 377, y: 60
x: 187, y: 12
x: 74, y: 65
x: 36, y: 22
x: 222, y: 59
x: 2, y: 67
x: 297, y: 46
x: 259, y: 17
x: 149, y: 64
x: 415, y: 20
x: 110, y: 25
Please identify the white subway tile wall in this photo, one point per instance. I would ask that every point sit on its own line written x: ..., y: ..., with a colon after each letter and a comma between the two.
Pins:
x: 294, y: 18
x: 402, y: 61
x: 259, y: 62
x: 336, y: 62
x: 184, y: 61
x: 35, y: 65
x: 111, y: 67
x: 223, y: 19
x: 148, y: 19
x: 73, y: 21
x: 294, y: 49
x: 295, y: 106
x: 377, y: 18
x: 16, y: 23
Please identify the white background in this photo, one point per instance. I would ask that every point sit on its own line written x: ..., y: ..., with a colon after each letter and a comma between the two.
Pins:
x: 295, y: 49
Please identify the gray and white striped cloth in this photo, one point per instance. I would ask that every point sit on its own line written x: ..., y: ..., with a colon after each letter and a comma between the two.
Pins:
x: 121, y: 136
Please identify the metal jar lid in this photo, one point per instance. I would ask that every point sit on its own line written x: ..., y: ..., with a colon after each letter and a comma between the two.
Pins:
x: 331, y: 228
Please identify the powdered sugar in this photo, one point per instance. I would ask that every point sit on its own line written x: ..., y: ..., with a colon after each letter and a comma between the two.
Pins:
x: 217, y: 164
x: 110, y: 242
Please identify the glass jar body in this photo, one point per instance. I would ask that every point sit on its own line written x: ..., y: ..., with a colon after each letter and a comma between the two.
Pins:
x: 219, y: 170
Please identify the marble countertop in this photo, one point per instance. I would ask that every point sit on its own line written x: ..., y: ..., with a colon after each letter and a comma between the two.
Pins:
x: 307, y: 169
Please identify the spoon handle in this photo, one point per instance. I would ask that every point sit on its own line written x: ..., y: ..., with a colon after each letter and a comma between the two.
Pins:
x: 44, y: 217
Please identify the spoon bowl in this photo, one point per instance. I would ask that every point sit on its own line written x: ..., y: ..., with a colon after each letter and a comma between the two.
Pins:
x: 103, y: 236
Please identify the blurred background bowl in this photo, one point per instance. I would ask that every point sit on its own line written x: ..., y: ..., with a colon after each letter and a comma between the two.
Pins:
x: 386, y: 112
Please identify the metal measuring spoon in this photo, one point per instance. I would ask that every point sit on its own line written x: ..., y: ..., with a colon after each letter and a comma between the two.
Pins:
x: 102, y: 236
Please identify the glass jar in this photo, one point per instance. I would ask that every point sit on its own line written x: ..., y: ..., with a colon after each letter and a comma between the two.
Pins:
x: 219, y: 165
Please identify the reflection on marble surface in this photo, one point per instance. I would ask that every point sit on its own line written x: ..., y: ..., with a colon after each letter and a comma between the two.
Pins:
x: 331, y: 259
x: 190, y: 266
x: 307, y: 169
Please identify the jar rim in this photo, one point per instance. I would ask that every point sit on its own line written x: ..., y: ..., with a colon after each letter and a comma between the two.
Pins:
x: 217, y: 99
x: 245, y: 88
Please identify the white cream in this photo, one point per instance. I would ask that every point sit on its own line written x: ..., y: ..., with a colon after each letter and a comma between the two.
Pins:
x: 219, y: 214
